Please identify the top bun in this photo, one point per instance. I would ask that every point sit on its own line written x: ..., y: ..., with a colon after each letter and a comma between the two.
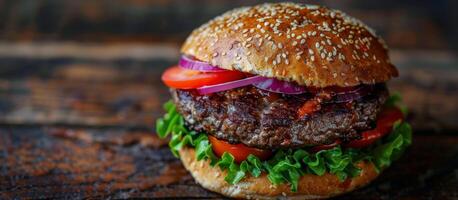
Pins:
x: 307, y: 44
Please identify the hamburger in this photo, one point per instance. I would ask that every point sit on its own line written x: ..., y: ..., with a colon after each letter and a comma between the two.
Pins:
x: 283, y: 100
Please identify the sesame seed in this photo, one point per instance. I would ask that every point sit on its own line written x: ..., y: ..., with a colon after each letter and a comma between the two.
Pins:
x: 288, y: 21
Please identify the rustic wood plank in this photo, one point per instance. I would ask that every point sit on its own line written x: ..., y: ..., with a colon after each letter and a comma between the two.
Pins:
x: 88, y: 94
x: 81, y: 128
x: 56, y: 162
x: 430, y: 23
x: 63, y: 163
x: 128, y: 92
x: 431, y: 94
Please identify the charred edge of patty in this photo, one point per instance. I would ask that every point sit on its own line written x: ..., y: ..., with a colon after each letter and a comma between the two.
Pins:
x: 267, y: 120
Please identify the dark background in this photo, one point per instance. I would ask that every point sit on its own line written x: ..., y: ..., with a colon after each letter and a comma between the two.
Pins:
x: 80, y: 91
x: 408, y: 24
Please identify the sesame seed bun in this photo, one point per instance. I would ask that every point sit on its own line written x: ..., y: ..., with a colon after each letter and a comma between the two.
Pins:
x: 306, y: 44
x: 309, y: 187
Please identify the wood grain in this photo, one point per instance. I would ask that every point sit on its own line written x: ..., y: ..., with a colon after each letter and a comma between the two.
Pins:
x: 56, y: 162
x: 128, y: 92
x: 83, y: 128
x: 428, y: 24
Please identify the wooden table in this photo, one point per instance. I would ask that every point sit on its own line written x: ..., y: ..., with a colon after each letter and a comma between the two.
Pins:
x: 75, y: 126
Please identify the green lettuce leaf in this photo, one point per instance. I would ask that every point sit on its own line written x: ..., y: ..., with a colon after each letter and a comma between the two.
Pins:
x: 254, y: 165
x: 393, y: 147
x: 395, y: 100
x: 287, y: 165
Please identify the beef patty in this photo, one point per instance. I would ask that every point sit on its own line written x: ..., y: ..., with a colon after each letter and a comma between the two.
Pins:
x: 267, y: 120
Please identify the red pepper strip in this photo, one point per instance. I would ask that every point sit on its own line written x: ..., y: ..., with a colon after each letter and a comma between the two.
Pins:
x: 324, y: 147
x: 309, y: 107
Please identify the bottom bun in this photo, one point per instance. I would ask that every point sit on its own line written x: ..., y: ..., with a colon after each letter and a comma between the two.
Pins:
x: 309, y: 187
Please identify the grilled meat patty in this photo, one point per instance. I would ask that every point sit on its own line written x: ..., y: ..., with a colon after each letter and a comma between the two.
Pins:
x: 267, y: 120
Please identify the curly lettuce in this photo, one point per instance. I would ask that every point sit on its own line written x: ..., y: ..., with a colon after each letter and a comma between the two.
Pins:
x: 287, y: 165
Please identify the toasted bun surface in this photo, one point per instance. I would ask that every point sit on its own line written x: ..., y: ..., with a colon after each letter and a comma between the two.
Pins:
x: 310, y: 186
x: 307, y: 44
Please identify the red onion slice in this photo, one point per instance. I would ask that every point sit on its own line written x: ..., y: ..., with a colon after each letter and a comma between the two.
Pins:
x: 188, y: 62
x: 229, y: 85
x: 277, y: 86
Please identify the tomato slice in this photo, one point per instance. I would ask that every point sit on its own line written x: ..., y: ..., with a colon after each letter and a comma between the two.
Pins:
x: 239, y: 151
x: 385, y: 123
x: 388, y: 117
x: 180, y: 78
